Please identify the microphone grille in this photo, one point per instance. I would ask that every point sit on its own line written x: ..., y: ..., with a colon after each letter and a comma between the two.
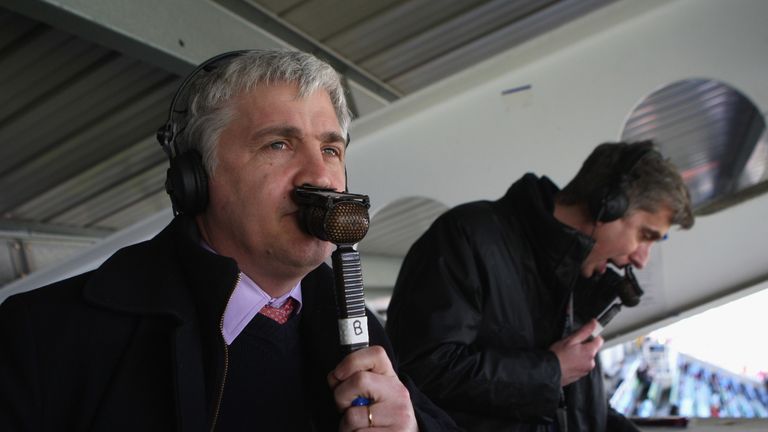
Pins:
x: 347, y: 222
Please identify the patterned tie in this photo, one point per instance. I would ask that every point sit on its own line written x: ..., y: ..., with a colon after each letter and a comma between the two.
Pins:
x: 280, y: 314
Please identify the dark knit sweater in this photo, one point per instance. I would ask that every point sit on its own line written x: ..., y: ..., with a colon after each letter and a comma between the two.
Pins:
x: 265, y: 375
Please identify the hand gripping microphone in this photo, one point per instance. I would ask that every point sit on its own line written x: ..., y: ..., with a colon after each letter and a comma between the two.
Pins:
x: 342, y: 219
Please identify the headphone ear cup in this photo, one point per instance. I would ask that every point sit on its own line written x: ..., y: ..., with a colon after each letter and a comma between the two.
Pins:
x: 596, y: 203
x: 187, y: 183
x: 611, y: 204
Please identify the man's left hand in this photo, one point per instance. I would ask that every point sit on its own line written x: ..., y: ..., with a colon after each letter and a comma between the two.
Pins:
x: 369, y: 373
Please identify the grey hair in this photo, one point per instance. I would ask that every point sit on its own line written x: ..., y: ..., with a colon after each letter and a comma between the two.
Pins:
x: 651, y: 183
x: 209, y: 109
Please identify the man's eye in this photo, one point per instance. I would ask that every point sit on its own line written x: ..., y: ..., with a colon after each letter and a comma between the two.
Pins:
x: 649, y: 236
x: 331, y: 151
x: 278, y: 145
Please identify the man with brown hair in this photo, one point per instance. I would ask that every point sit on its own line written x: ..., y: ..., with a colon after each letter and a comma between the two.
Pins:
x: 480, y: 315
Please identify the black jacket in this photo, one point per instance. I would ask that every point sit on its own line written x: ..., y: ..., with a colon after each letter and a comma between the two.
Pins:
x: 480, y: 298
x: 136, y: 344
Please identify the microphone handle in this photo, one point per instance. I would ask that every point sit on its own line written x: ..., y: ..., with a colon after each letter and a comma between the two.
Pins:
x: 350, y: 301
x: 350, y: 304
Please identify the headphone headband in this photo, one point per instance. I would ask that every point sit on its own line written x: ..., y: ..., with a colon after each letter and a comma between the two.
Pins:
x: 166, y: 134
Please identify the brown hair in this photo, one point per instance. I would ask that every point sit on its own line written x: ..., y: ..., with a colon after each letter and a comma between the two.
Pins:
x: 649, y: 182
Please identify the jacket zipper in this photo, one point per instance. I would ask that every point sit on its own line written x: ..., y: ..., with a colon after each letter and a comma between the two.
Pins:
x: 226, y: 359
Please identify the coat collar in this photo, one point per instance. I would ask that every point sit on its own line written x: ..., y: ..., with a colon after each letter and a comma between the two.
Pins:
x: 171, y: 273
x: 167, y: 275
x: 559, y: 250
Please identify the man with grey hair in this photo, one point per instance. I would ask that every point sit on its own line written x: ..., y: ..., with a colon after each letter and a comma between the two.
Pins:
x: 491, y: 313
x: 226, y: 319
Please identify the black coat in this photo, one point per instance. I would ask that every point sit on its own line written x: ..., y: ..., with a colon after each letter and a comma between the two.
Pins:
x: 480, y: 298
x: 136, y: 344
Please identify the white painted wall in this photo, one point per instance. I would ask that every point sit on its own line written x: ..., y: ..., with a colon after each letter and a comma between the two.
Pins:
x: 470, y: 142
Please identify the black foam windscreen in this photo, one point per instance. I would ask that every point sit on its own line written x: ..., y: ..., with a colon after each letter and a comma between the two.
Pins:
x: 629, y: 290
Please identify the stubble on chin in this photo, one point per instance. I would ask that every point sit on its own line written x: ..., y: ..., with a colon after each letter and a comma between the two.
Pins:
x: 308, y: 251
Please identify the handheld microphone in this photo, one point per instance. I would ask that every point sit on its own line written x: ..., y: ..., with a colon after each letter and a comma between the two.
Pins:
x: 627, y: 291
x: 342, y: 219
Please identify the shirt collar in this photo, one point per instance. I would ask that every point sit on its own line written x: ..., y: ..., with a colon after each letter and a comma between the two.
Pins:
x: 246, y: 301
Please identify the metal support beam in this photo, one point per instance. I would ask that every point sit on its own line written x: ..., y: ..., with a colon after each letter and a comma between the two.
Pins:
x: 158, y: 33
x: 92, y: 257
x: 264, y: 19
x: 172, y: 34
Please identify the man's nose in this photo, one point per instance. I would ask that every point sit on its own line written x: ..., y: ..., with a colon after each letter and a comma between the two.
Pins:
x: 314, y: 170
x: 639, y: 258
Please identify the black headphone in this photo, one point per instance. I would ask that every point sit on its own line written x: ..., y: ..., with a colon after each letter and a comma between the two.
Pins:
x: 610, y: 202
x: 186, y: 180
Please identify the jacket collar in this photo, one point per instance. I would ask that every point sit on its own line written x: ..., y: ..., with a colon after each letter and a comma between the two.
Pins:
x: 167, y: 275
x: 559, y: 250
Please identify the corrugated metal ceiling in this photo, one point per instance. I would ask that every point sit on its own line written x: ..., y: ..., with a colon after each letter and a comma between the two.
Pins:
x: 408, y: 45
x: 75, y: 128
